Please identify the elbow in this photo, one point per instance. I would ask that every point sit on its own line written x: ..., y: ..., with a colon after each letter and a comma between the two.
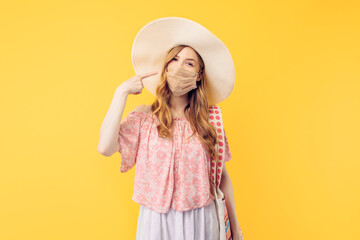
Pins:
x: 104, y: 151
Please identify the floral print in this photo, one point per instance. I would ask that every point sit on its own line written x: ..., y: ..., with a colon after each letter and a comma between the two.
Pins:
x: 168, y: 173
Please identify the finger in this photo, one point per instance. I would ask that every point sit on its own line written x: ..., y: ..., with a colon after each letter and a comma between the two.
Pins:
x: 148, y: 74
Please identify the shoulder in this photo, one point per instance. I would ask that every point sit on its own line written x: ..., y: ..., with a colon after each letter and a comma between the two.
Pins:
x: 137, y: 113
x: 143, y: 108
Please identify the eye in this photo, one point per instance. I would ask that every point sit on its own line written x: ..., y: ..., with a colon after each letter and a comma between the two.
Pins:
x: 176, y: 60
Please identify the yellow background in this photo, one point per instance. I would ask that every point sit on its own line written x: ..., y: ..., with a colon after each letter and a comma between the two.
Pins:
x: 292, y: 120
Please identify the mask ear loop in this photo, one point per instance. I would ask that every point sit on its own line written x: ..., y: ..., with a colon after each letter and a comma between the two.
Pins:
x: 198, y: 74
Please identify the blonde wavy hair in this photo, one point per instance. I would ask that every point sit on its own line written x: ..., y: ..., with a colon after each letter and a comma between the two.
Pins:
x: 196, y: 111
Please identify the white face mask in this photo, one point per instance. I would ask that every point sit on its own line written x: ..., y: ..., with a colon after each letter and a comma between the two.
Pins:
x: 181, y: 81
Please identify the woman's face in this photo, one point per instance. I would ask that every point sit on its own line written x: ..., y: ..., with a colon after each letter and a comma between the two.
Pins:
x: 186, y: 59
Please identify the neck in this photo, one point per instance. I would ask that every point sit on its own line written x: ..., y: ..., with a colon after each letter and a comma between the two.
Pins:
x: 178, y: 103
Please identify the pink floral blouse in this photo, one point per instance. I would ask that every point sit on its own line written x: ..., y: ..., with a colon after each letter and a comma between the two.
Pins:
x: 169, y: 173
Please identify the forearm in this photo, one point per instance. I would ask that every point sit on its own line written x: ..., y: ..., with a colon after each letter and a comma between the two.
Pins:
x: 227, y: 188
x: 111, y: 124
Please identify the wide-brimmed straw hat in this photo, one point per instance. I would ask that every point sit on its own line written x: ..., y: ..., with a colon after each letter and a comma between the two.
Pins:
x: 154, y: 40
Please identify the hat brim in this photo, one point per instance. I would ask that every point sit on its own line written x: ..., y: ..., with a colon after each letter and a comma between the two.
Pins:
x: 153, y: 41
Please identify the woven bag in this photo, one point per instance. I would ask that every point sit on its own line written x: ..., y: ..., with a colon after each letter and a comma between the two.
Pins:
x: 215, y: 119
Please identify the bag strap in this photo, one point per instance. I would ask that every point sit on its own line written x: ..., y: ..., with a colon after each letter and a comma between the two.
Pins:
x: 215, y: 118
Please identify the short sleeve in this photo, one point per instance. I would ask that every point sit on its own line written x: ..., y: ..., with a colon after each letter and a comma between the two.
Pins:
x: 227, y: 149
x: 128, y: 138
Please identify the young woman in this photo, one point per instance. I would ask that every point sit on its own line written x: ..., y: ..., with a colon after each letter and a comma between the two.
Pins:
x: 171, y: 140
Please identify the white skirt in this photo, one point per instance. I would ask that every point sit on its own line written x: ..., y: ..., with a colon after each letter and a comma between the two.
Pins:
x: 194, y: 224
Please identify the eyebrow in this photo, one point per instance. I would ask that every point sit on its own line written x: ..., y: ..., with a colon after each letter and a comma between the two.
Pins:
x: 187, y: 58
